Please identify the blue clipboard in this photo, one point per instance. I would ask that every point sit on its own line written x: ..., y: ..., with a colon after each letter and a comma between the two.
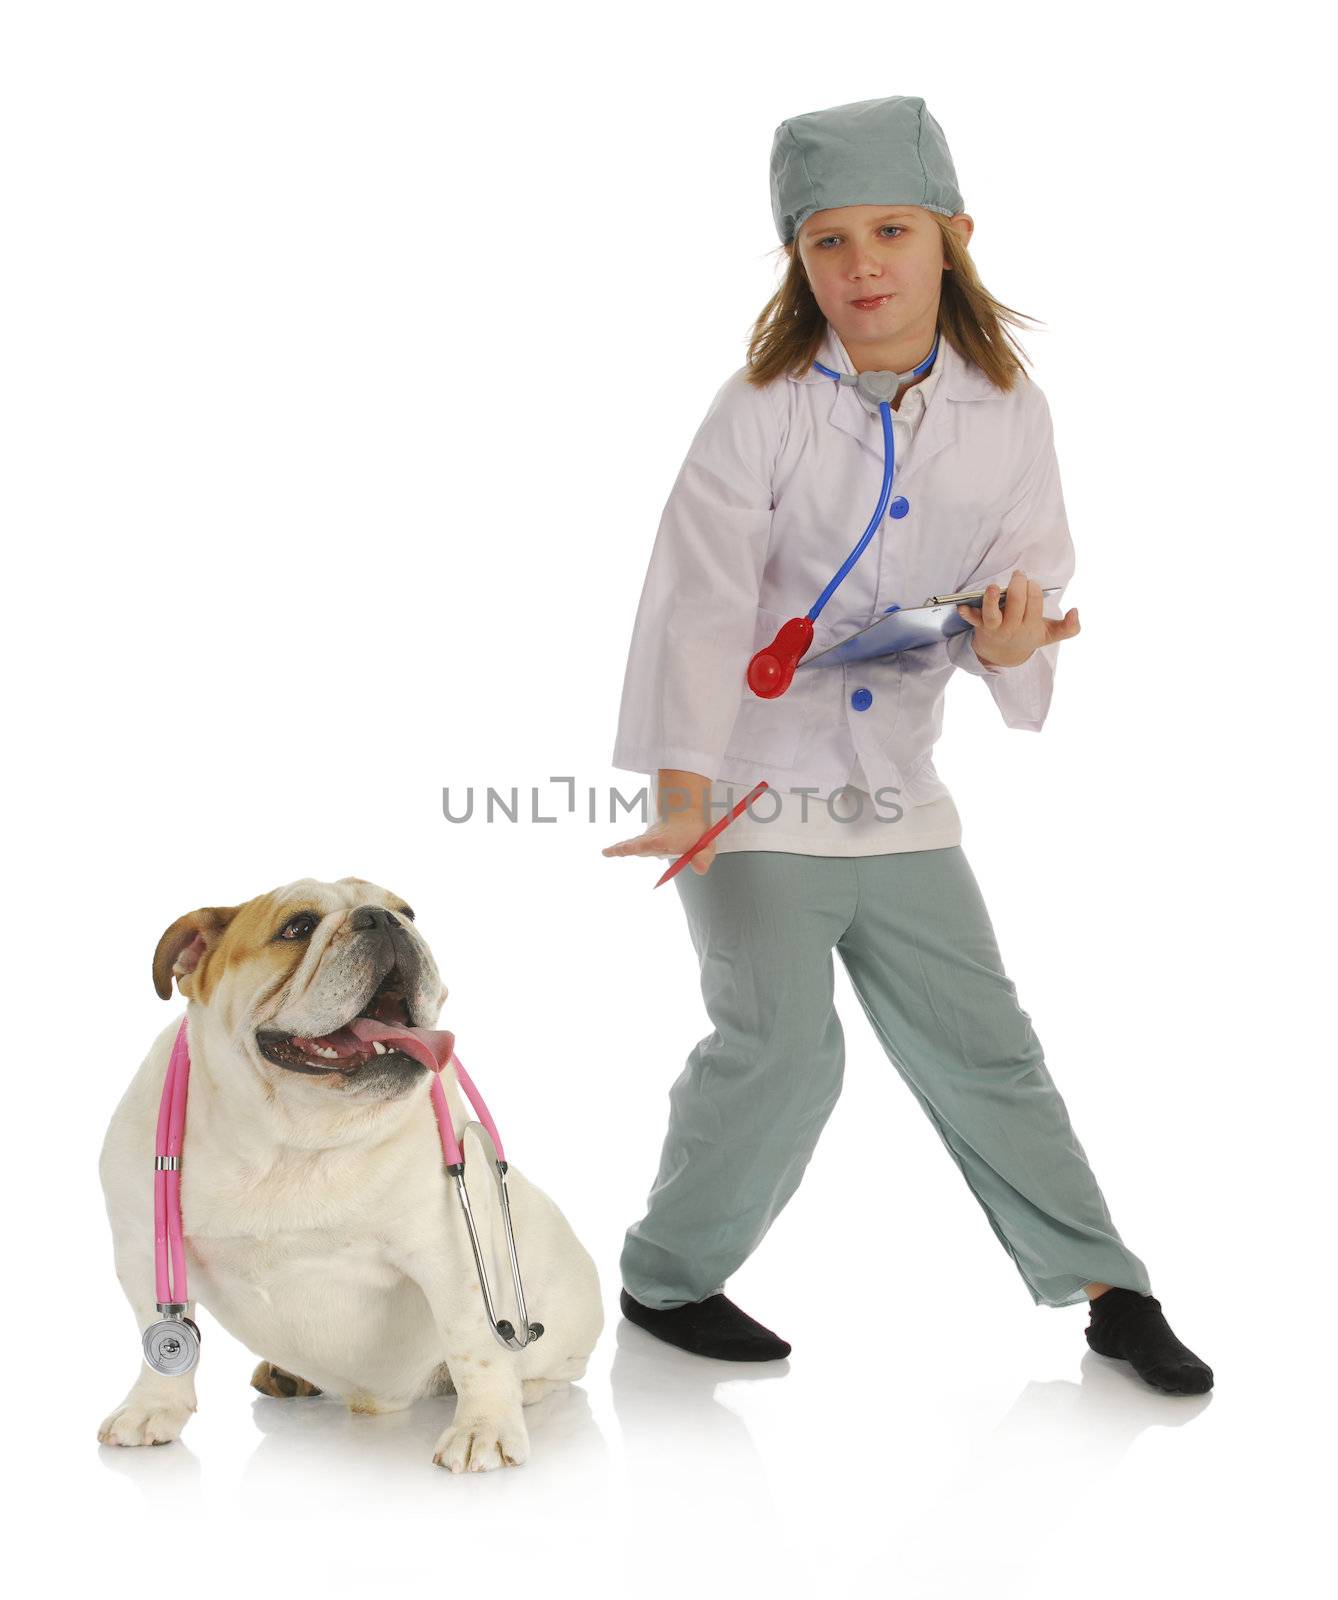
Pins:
x: 896, y: 630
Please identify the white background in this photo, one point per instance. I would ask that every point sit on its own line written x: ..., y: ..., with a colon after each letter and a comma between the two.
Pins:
x: 349, y: 354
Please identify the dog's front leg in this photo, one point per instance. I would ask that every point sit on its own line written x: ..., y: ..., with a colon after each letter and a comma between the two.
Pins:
x: 488, y: 1429
x: 157, y: 1407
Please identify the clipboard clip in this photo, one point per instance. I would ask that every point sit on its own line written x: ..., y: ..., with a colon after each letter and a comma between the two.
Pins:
x: 973, y: 597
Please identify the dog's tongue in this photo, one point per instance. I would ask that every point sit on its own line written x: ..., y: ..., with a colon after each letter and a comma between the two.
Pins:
x: 429, y: 1045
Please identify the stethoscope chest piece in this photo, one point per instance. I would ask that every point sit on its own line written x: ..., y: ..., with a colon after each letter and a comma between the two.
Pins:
x: 875, y: 386
x: 172, y: 1345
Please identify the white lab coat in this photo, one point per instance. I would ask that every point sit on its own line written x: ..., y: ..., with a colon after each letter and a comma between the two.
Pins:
x: 777, y: 486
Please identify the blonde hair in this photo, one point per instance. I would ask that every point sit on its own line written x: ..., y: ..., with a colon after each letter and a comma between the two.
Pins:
x: 790, y: 329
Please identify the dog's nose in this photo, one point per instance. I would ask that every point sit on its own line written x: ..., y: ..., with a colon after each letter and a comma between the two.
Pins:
x: 372, y: 917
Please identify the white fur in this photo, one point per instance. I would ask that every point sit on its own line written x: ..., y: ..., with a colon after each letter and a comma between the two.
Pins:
x: 324, y: 1234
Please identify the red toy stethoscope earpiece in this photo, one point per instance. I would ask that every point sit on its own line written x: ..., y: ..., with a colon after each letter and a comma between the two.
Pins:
x: 772, y: 668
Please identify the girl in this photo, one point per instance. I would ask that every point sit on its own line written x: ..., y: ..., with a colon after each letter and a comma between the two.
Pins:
x: 857, y: 849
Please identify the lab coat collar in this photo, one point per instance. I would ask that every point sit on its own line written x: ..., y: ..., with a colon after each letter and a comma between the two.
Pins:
x: 957, y: 380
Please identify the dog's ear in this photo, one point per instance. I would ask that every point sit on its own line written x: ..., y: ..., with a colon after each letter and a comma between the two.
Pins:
x: 185, y: 945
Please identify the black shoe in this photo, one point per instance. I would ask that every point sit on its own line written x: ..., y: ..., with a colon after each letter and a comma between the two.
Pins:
x: 712, y: 1327
x: 1130, y: 1327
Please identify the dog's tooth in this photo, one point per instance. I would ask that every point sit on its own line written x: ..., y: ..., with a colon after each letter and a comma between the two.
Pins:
x: 378, y: 1047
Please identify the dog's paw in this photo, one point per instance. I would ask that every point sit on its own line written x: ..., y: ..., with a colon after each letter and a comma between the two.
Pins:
x: 478, y: 1444
x: 144, y: 1422
x: 272, y: 1380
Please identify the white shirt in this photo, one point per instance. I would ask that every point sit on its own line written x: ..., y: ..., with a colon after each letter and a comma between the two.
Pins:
x: 777, y: 485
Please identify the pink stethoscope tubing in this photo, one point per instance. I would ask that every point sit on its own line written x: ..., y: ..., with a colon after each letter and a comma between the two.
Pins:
x: 169, y: 1245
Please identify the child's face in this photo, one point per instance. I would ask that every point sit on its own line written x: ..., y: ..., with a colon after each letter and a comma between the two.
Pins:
x: 858, y: 252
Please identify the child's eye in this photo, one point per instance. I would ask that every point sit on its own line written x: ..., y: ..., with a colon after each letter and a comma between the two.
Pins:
x: 895, y: 227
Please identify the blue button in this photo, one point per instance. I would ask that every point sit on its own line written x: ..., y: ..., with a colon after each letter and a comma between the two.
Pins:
x: 862, y: 699
x: 899, y: 507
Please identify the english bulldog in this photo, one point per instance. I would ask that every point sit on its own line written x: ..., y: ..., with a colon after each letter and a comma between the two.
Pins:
x: 321, y: 1227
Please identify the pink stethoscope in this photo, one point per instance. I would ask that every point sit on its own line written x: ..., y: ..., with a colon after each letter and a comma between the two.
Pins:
x: 172, y: 1344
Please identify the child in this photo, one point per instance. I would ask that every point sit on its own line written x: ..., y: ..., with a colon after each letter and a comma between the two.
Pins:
x: 859, y: 849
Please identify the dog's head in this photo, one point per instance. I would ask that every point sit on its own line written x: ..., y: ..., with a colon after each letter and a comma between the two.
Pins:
x: 285, y: 974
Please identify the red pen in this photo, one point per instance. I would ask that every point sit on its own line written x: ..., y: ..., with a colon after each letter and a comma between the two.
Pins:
x: 712, y: 832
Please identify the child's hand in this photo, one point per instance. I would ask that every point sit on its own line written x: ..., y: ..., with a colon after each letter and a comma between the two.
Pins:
x: 670, y: 837
x: 1007, y: 635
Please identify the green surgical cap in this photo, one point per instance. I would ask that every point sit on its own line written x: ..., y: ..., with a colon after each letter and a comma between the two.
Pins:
x: 871, y: 152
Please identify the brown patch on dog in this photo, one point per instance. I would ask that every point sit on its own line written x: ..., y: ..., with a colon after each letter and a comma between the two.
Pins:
x: 201, y: 947
x: 364, y: 1405
x: 252, y: 936
x: 272, y: 1380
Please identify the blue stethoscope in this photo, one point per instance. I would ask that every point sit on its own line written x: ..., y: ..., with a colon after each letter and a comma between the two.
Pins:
x: 772, y: 668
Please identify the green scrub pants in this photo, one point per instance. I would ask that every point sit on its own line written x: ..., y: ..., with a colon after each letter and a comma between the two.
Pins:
x: 747, y: 1110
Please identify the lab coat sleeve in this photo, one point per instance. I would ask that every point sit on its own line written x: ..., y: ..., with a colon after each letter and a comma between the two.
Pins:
x: 1033, y: 535
x: 694, y: 628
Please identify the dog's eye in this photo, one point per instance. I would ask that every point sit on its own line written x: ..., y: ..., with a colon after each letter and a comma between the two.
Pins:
x: 405, y: 911
x: 302, y: 926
